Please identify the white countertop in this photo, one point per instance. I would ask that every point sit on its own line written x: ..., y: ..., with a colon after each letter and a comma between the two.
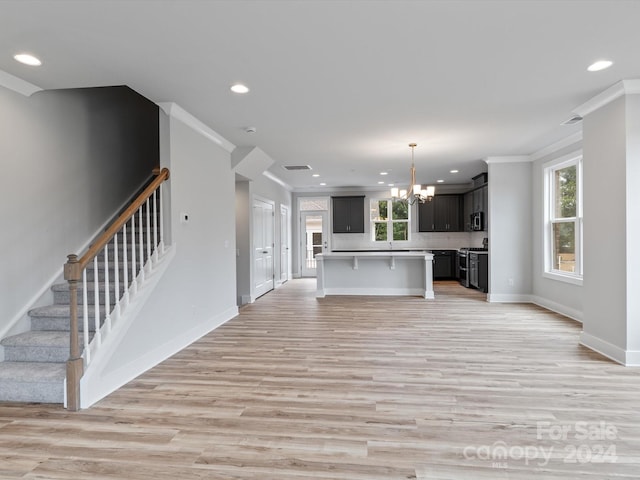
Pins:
x: 385, y: 253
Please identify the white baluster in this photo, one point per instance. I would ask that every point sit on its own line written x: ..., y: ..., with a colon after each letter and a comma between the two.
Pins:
x: 161, y: 222
x: 141, y: 244
x: 149, y: 263
x: 125, y: 297
x: 134, y: 273
x: 85, y: 317
x: 96, y: 298
x: 155, y: 226
x: 116, y: 280
x: 107, y: 291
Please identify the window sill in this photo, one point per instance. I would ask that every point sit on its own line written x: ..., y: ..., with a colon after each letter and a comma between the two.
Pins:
x: 564, y: 277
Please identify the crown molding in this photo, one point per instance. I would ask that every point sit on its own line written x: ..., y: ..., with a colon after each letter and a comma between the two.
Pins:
x: 554, y: 147
x: 508, y: 159
x: 277, y: 180
x: 17, y: 84
x: 176, y: 111
x: 623, y: 87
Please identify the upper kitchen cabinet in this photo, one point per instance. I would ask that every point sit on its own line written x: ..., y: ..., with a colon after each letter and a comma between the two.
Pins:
x: 348, y: 214
x: 442, y: 214
x: 480, y: 193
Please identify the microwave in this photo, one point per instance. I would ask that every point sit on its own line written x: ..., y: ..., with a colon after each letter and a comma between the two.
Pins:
x: 477, y: 221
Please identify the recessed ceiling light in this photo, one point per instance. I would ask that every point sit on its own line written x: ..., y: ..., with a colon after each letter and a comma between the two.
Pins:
x: 28, y: 59
x: 384, y: 173
x: 453, y: 171
x: 315, y: 175
x: 391, y: 185
x: 599, y: 65
x: 322, y: 184
x: 440, y: 181
x: 239, y: 88
x: 380, y: 183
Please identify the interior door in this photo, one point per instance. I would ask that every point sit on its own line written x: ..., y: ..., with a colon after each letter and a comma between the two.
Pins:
x: 314, y: 235
x: 263, y: 234
x: 284, y: 243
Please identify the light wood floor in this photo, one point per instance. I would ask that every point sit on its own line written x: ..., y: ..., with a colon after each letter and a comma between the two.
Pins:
x: 349, y: 388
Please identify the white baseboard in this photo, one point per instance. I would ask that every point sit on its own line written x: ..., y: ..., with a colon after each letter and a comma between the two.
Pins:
x: 628, y: 358
x: 508, y: 298
x: 607, y: 349
x: 558, y: 308
x: 420, y: 292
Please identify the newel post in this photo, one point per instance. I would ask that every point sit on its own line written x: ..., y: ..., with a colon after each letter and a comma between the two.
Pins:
x: 75, y: 364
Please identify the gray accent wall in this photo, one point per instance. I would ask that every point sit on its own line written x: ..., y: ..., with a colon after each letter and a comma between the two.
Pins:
x: 70, y: 159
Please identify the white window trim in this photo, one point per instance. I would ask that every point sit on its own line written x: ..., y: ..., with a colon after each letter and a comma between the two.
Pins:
x: 389, y: 222
x: 573, y: 158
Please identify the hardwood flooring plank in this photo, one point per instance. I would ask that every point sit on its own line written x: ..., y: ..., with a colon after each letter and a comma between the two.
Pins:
x: 352, y: 388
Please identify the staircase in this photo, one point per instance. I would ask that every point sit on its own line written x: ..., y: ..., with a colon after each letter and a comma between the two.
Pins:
x: 34, y: 368
x: 35, y: 362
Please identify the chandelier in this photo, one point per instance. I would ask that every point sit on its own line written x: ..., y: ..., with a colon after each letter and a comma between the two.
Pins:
x: 415, y: 192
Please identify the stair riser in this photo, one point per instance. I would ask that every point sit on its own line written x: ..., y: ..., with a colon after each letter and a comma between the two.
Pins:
x: 102, y: 276
x: 40, y: 392
x: 36, y: 354
x: 64, y: 298
x: 59, y: 324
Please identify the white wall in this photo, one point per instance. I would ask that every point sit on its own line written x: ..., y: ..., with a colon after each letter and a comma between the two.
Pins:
x: 510, y: 230
x: 243, y: 241
x: 612, y: 234
x: 605, y: 269
x: 633, y: 224
x: 198, y: 290
x: 70, y: 159
x: 562, y: 297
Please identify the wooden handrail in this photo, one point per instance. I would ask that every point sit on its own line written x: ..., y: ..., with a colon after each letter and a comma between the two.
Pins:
x: 162, y: 175
x: 73, y: 274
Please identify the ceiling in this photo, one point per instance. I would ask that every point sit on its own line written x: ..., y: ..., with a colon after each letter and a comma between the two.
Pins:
x: 343, y: 86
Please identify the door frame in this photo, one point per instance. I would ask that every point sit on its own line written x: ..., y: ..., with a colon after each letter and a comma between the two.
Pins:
x: 254, y: 294
x: 285, y: 243
x: 324, y: 215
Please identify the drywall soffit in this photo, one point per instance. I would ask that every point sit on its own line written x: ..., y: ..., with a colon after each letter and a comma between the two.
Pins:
x: 250, y: 162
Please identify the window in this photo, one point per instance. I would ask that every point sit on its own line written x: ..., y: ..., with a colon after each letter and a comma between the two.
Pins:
x: 390, y: 220
x: 313, y: 204
x: 563, y: 219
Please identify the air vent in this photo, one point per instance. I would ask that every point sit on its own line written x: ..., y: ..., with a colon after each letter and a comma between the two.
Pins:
x: 572, y: 120
x: 297, y: 167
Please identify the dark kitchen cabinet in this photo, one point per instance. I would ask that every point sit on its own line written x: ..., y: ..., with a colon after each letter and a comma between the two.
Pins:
x: 479, y: 271
x: 444, y: 264
x: 467, y: 210
x: 474, y: 202
x: 348, y: 214
x: 442, y: 214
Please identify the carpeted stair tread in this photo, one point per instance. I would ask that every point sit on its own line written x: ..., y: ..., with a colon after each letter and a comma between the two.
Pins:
x: 60, y: 311
x: 30, y: 372
x: 38, y: 339
x: 62, y: 296
x: 35, y: 346
x: 32, y: 382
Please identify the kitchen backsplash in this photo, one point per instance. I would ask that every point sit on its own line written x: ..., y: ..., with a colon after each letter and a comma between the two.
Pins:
x: 435, y: 240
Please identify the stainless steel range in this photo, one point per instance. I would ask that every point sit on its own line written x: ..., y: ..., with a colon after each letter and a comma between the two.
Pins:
x: 463, y: 264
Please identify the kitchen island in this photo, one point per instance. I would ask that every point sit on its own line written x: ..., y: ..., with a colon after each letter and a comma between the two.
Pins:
x: 380, y: 272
